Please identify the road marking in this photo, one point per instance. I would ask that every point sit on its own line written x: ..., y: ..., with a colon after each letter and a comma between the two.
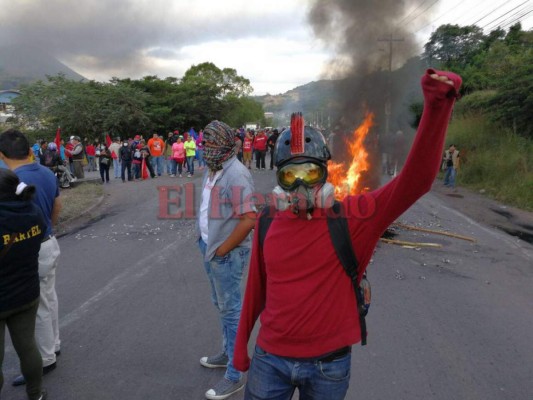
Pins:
x: 120, y: 281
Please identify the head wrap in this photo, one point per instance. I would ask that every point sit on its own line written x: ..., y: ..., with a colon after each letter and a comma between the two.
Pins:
x: 221, y: 144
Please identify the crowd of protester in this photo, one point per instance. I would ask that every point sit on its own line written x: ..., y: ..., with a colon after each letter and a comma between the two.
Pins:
x: 138, y: 158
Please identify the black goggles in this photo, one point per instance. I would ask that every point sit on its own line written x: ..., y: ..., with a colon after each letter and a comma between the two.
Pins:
x: 309, y: 174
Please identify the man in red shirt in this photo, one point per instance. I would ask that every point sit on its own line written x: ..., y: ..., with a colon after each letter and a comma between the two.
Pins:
x: 247, y: 150
x: 90, y: 150
x: 156, y: 145
x: 296, y: 282
x: 260, y: 147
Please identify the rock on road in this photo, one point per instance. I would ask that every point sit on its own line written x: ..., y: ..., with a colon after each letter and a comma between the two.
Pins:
x: 136, y: 316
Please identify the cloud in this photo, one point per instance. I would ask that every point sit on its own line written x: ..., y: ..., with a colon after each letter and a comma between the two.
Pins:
x: 101, y: 39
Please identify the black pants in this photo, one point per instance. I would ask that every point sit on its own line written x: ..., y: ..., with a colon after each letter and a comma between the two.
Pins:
x: 104, y: 170
x: 271, y: 158
x: 150, y: 167
x: 260, y: 159
x: 21, y: 325
x: 125, y: 166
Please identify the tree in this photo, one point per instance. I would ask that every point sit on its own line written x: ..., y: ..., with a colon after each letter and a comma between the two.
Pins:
x: 453, y: 45
x: 240, y: 110
x: 208, y: 93
x: 87, y: 109
x: 124, y: 106
x: 513, y: 103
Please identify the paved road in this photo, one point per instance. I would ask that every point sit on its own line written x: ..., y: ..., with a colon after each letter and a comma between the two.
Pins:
x: 450, y: 323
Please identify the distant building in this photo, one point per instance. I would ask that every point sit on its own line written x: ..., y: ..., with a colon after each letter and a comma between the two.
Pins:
x: 6, y: 109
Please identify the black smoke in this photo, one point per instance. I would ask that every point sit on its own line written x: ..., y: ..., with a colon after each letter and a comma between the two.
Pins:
x: 360, y: 32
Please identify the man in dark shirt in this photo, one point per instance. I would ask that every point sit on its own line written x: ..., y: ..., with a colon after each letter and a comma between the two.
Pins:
x: 15, y: 152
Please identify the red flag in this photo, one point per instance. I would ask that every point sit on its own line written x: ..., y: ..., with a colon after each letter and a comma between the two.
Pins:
x: 108, y: 140
x: 144, y: 169
x: 57, y: 140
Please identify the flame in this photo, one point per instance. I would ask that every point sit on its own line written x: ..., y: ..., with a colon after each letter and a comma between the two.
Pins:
x: 347, y: 177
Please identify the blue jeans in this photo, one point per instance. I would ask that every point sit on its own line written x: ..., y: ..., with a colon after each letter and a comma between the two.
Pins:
x: 449, y: 177
x: 136, y: 169
x: 117, y: 167
x: 276, y: 378
x: 157, y: 162
x: 225, y: 276
x: 177, y: 167
x: 168, y: 164
x: 190, y: 164
x: 90, y: 161
x: 200, y: 156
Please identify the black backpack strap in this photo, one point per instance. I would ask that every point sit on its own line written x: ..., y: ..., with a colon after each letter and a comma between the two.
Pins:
x: 340, y: 237
x: 265, y: 219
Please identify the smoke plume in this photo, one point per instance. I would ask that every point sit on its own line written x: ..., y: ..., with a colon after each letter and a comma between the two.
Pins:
x: 369, y: 39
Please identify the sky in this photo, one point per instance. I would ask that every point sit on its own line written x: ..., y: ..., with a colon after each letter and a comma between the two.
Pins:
x: 272, y: 43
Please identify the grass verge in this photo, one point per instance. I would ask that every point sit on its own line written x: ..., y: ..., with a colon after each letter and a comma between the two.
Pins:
x: 78, y: 199
x: 494, y: 160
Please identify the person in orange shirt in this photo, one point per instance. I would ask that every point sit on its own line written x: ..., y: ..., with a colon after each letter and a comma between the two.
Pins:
x: 156, y: 145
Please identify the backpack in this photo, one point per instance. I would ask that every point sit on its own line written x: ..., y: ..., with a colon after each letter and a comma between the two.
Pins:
x: 340, y: 237
x: 48, y: 159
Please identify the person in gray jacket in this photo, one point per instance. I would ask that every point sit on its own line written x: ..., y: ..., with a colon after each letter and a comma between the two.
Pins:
x: 225, y: 219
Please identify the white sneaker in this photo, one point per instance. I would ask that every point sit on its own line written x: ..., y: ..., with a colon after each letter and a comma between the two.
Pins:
x: 224, y: 389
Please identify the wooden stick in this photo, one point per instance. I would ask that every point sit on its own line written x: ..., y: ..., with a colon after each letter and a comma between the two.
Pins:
x: 416, y: 228
x: 413, y: 244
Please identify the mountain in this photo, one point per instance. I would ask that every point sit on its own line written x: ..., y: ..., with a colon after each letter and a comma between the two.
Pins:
x: 326, y: 103
x: 19, y: 65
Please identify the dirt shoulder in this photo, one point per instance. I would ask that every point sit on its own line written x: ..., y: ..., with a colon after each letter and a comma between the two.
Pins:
x: 78, y: 202
x: 480, y: 208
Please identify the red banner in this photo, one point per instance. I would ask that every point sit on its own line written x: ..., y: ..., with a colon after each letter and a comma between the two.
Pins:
x: 57, y: 140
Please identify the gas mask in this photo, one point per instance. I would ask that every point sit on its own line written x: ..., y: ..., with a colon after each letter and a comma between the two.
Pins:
x: 303, y: 187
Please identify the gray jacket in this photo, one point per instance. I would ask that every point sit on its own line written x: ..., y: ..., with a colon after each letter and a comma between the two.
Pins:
x: 231, y: 197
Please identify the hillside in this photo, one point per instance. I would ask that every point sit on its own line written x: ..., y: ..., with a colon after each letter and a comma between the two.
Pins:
x: 20, y: 65
x: 326, y: 102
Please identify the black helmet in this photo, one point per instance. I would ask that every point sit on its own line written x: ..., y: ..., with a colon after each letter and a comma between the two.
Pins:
x: 315, y: 148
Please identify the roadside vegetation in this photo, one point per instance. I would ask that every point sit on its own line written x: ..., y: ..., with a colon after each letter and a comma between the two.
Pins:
x: 494, y: 160
x: 126, y: 107
x: 492, y: 123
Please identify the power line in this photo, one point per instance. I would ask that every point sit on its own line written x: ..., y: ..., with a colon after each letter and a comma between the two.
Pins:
x: 444, y: 14
x: 517, y: 19
x: 457, y: 5
x: 465, y: 15
x: 408, y: 15
x: 510, y: 17
x: 492, y: 12
x: 425, y: 10
x: 511, y: 10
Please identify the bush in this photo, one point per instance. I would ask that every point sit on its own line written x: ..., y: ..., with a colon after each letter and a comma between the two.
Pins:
x: 475, y: 102
x: 494, y: 159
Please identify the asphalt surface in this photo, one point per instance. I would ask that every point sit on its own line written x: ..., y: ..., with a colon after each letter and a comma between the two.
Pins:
x: 136, y: 316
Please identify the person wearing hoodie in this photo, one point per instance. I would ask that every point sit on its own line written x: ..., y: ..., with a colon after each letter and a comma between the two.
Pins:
x: 22, y: 229
x: 15, y: 151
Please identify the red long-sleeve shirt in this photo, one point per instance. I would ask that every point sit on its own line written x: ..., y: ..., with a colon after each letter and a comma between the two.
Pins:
x: 297, y: 283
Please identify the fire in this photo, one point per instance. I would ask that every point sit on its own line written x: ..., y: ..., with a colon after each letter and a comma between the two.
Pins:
x: 347, y: 177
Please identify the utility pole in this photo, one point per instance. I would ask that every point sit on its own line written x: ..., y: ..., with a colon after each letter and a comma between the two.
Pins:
x: 389, y: 84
